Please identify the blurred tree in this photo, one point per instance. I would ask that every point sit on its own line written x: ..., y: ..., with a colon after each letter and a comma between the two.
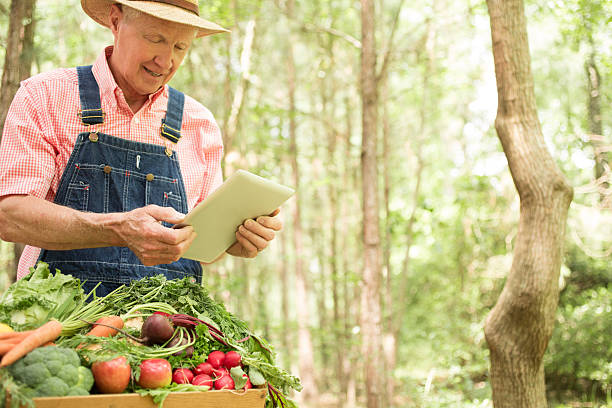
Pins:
x: 306, y: 353
x: 520, y: 325
x: 17, y: 67
x: 371, y: 322
x: 19, y: 52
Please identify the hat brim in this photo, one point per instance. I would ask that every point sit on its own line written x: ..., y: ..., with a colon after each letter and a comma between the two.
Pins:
x: 99, y: 11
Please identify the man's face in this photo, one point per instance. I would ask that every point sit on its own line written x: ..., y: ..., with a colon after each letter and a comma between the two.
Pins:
x: 147, y: 51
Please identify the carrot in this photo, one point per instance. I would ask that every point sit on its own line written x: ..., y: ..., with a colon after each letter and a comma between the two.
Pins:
x: 44, y: 334
x: 10, y: 335
x: 6, y: 347
x: 104, y: 331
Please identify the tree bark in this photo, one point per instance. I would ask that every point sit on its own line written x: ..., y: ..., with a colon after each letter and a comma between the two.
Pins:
x: 520, y: 324
x: 371, y: 281
x: 19, y: 52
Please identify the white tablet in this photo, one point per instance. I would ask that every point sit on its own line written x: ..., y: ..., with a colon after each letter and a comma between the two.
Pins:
x: 216, y: 219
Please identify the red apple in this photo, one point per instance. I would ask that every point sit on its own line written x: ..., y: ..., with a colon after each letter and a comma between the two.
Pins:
x: 112, y: 377
x: 232, y: 359
x: 203, y: 368
x: 155, y: 373
x: 182, y: 376
x: 203, y: 379
x: 216, y: 358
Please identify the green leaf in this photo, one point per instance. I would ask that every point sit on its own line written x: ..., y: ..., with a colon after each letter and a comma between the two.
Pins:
x: 239, y: 377
x: 256, y: 377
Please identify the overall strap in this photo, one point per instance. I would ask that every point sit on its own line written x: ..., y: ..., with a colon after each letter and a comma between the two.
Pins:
x: 89, y: 94
x: 171, y: 124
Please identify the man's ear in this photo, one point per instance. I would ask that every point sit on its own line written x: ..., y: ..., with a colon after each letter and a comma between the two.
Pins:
x: 115, y: 16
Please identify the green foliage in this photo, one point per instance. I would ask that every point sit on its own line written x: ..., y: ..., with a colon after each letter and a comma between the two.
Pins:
x: 38, y: 297
x: 580, y: 347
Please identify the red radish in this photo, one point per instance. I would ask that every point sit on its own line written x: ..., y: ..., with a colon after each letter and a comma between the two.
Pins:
x: 203, y: 368
x: 216, y: 358
x: 220, y: 372
x: 232, y: 359
x: 248, y: 384
x: 226, y: 382
x: 182, y: 376
x: 203, y: 379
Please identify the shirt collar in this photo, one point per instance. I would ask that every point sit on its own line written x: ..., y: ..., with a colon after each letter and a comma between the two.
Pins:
x: 108, y: 85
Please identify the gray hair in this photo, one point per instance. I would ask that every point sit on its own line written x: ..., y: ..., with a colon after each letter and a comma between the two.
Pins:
x: 130, y: 13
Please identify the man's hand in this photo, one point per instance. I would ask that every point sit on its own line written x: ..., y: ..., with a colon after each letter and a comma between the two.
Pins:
x: 141, y: 231
x: 253, y: 236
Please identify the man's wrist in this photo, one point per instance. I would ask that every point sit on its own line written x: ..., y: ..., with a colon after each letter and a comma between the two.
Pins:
x: 106, y: 227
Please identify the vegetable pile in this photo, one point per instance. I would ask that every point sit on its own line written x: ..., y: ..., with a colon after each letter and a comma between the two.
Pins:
x: 132, y: 341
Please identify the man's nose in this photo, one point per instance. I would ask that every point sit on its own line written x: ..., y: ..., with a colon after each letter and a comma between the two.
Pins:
x: 164, y: 59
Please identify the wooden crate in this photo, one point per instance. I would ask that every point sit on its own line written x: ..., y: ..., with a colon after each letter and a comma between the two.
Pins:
x: 253, y: 398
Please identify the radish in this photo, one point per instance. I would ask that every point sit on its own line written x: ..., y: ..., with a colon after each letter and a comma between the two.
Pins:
x: 182, y: 376
x: 220, y: 372
x: 248, y: 384
x: 203, y: 379
x: 224, y: 382
x: 203, y: 368
x: 232, y: 359
x: 216, y: 358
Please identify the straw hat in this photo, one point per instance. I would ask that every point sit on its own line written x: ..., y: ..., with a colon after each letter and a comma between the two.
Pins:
x: 179, y: 11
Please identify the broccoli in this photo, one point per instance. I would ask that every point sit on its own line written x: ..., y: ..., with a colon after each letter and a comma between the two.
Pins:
x: 52, y: 372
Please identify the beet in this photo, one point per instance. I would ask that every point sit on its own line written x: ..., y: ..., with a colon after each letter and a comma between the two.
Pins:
x: 157, y: 329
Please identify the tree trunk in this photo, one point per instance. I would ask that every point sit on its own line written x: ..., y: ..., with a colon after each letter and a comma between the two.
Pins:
x: 230, y: 126
x: 520, y: 324
x: 284, y: 278
x: 347, y: 380
x: 305, y: 349
x: 596, y: 125
x: 371, y: 309
x: 19, y: 52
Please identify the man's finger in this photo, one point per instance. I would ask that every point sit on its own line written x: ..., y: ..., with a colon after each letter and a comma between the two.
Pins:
x: 270, y: 222
x: 172, y: 236
x: 250, y: 249
x: 258, y: 241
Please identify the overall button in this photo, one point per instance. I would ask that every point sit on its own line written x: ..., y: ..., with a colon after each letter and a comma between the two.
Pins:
x: 93, y: 136
x: 150, y: 177
x: 108, y: 169
x: 168, y: 152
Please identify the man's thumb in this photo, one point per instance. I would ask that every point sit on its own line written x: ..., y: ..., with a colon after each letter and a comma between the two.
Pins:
x: 167, y: 214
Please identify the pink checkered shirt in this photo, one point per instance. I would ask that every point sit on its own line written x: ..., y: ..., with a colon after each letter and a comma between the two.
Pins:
x: 43, y: 123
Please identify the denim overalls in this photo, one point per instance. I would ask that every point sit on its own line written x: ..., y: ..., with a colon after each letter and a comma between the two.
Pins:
x: 108, y: 174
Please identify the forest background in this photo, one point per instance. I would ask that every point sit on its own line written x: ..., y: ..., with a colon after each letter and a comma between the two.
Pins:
x: 285, y: 89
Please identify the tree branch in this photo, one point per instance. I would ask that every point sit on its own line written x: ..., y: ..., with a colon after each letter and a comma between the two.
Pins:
x: 389, y: 50
x: 318, y: 29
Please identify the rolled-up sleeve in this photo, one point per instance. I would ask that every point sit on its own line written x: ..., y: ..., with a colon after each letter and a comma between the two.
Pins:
x: 27, y: 152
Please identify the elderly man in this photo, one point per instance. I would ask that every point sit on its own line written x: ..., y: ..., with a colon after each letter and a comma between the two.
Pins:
x: 97, y: 162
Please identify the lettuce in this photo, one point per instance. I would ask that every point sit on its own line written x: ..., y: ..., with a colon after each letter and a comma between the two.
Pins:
x: 39, y: 296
